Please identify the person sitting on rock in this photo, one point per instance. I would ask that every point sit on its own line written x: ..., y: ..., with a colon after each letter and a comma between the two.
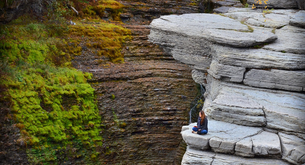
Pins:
x: 202, y: 124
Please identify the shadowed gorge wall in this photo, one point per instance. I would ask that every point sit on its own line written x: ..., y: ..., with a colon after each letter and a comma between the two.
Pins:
x: 144, y: 101
x: 141, y: 101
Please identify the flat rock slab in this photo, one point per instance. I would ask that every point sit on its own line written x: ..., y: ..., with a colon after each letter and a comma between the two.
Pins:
x: 260, y: 19
x: 266, y: 144
x: 290, y: 40
x: 193, y: 156
x: 277, y: 79
x: 298, y: 19
x: 293, y: 148
x: 283, y: 110
x: 258, y: 58
x: 212, y: 27
x: 221, y: 137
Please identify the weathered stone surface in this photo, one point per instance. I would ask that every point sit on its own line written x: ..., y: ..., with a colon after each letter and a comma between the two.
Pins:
x: 247, y: 82
x: 238, y: 38
x: 226, y: 72
x: 222, y: 9
x: 199, y: 76
x: 290, y: 39
x: 244, y: 148
x: 214, y: 28
x: 276, y: 79
x: 237, y: 115
x: 281, y: 4
x: 298, y: 19
x: 266, y: 143
x: 261, y: 20
x: 293, y: 148
x: 258, y: 58
x: 194, y: 24
x: 196, y: 157
x: 220, y: 138
x: 193, y: 156
x: 283, y: 110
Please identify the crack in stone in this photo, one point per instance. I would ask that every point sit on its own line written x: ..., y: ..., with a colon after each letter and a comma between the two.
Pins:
x: 281, y: 144
x: 213, y: 158
x: 301, y: 158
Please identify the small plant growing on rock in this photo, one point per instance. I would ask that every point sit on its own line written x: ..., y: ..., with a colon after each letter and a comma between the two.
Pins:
x: 260, y: 2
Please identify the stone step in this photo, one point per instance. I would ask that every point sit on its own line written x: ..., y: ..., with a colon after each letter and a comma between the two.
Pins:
x: 197, y: 157
x: 234, y: 139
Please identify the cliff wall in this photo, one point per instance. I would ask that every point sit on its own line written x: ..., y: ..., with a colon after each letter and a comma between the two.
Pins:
x: 252, y: 66
x: 141, y: 101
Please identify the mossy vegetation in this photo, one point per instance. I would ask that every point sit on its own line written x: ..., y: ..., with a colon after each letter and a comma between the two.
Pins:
x: 53, y: 105
x: 105, y: 38
x: 39, y: 87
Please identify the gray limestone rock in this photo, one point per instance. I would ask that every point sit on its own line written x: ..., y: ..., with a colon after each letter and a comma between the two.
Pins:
x: 266, y: 143
x: 199, y: 76
x: 226, y: 72
x: 258, y: 58
x: 211, y: 27
x: 221, y: 137
x: 237, y: 115
x: 239, y: 38
x: 293, y: 148
x: 290, y: 40
x: 195, y: 157
x: 298, y: 19
x: 260, y: 19
x: 254, y: 79
x: 222, y: 9
x: 244, y: 148
x: 283, y: 110
x: 276, y: 79
x: 277, y: 4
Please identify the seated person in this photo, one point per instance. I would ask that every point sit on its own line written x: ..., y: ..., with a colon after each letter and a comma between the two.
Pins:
x: 202, y: 124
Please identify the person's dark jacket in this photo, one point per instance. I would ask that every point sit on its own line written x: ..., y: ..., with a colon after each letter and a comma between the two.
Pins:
x: 204, y: 125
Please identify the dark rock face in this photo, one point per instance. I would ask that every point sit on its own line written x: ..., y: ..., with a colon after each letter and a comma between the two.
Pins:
x: 143, y: 102
x: 11, y: 151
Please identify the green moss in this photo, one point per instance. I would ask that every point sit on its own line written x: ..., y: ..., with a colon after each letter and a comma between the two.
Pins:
x: 39, y: 86
x: 105, y: 37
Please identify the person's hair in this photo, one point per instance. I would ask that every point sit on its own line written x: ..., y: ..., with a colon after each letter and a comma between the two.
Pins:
x: 202, y: 117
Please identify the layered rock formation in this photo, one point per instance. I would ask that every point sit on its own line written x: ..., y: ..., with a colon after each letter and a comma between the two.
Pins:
x: 252, y: 66
x: 142, y: 119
